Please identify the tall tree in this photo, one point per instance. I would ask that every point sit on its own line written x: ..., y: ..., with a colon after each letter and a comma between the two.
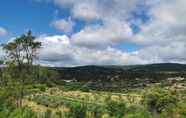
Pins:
x: 21, y: 53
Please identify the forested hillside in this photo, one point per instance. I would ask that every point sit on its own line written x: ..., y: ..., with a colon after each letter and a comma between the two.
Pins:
x: 155, y: 72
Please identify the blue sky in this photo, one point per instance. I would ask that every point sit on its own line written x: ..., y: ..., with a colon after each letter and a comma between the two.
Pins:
x: 134, y: 32
x: 21, y: 15
x: 18, y: 16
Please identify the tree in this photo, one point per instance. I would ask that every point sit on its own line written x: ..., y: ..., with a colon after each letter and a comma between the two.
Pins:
x: 21, y: 53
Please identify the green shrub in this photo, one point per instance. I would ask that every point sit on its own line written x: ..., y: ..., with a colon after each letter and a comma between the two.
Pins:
x: 96, y: 111
x: 49, y: 101
x: 181, y: 109
x: 78, y: 110
x: 13, y: 112
x: 48, y: 114
x: 140, y: 114
x: 85, y: 89
x: 59, y: 114
x: 41, y: 87
x: 137, y: 111
x: 178, y: 111
x: 157, y: 99
x: 116, y: 109
x: 22, y: 113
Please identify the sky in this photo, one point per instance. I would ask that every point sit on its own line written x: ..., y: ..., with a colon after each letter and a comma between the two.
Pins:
x: 99, y: 32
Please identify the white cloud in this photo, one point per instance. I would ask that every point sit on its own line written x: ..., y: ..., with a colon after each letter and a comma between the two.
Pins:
x: 59, y: 51
x: 81, y: 9
x: 103, y: 35
x: 99, y: 9
x: 174, y: 52
x: 162, y: 38
x: 167, y: 24
x: 86, y: 12
x: 64, y: 25
x: 3, y: 31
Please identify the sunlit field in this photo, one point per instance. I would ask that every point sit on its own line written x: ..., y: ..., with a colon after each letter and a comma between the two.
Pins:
x: 152, y: 101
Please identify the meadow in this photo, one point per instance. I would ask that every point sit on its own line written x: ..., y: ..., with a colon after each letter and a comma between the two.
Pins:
x: 154, y: 101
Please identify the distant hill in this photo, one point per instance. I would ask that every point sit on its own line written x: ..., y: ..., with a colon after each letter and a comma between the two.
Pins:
x: 154, y: 71
x: 166, y: 67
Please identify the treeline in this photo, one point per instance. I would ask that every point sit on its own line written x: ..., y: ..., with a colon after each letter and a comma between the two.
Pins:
x: 95, y: 73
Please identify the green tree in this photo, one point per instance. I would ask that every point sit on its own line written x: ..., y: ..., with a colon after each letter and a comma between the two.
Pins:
x: 21, y: 53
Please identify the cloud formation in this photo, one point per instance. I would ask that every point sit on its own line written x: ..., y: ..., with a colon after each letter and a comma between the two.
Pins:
x: 63, y: 25
x: 157, y: 26
x: 59, y: 51
x: 111, y: 32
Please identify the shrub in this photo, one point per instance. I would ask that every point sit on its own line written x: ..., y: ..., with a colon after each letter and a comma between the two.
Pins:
x: 59, y: 114
x: 78, y: 110
x: 157, y: 99
x: 181, y: 109
x: 85, y: 89
x: 22, y: 113
x: 178, y: 111
x: 49, y: 101
x: 116, y: 109
x: 96, y: 111
x: 12, y: 112
x: 48, y: 114
x: 41, y: 87
x: 140, y: 114
x: 137, y: 111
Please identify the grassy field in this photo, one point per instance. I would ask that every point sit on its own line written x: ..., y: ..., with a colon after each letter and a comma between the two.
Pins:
x: 55, y: 99
x: 57, y: 102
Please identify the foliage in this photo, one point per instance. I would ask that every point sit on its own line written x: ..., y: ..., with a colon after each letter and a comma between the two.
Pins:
x: 78, y: 110
x: 9, y: 111
x: 41, y: 87
x: 157, y: 99
x: 96, y: 111
x: 115, y: 108
x: 48, y: 114
x: 137, y: 111
x: 21, y: 53
x: 48, y: 101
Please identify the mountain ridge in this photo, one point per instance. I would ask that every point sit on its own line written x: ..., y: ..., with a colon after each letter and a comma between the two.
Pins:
x: 97, y: 72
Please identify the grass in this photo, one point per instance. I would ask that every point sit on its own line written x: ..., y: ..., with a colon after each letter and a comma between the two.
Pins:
x: 59, y: 100
x: 56, y: 99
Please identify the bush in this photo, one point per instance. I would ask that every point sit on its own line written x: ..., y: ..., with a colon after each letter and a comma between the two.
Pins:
x: 140, y: 114
x: 178, y: 111
x: 78, y: 110
x: 22, y: 113
x: 137, y: 111
x: 12, y: 112
x: 96, y: 111
x: 116, y: 109
x: 157, y: 99
x: 41, y: 87
x: 181, y: 109
x: 85, y: 89
x: 48, y: 114
x: 49, y: 101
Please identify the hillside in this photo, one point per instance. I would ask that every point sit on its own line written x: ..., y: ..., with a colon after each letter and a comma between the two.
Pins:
x: 152, y: 71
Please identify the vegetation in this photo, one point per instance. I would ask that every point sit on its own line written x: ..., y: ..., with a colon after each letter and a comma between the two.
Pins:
x: 21, y: 53
x: 28, y: 90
